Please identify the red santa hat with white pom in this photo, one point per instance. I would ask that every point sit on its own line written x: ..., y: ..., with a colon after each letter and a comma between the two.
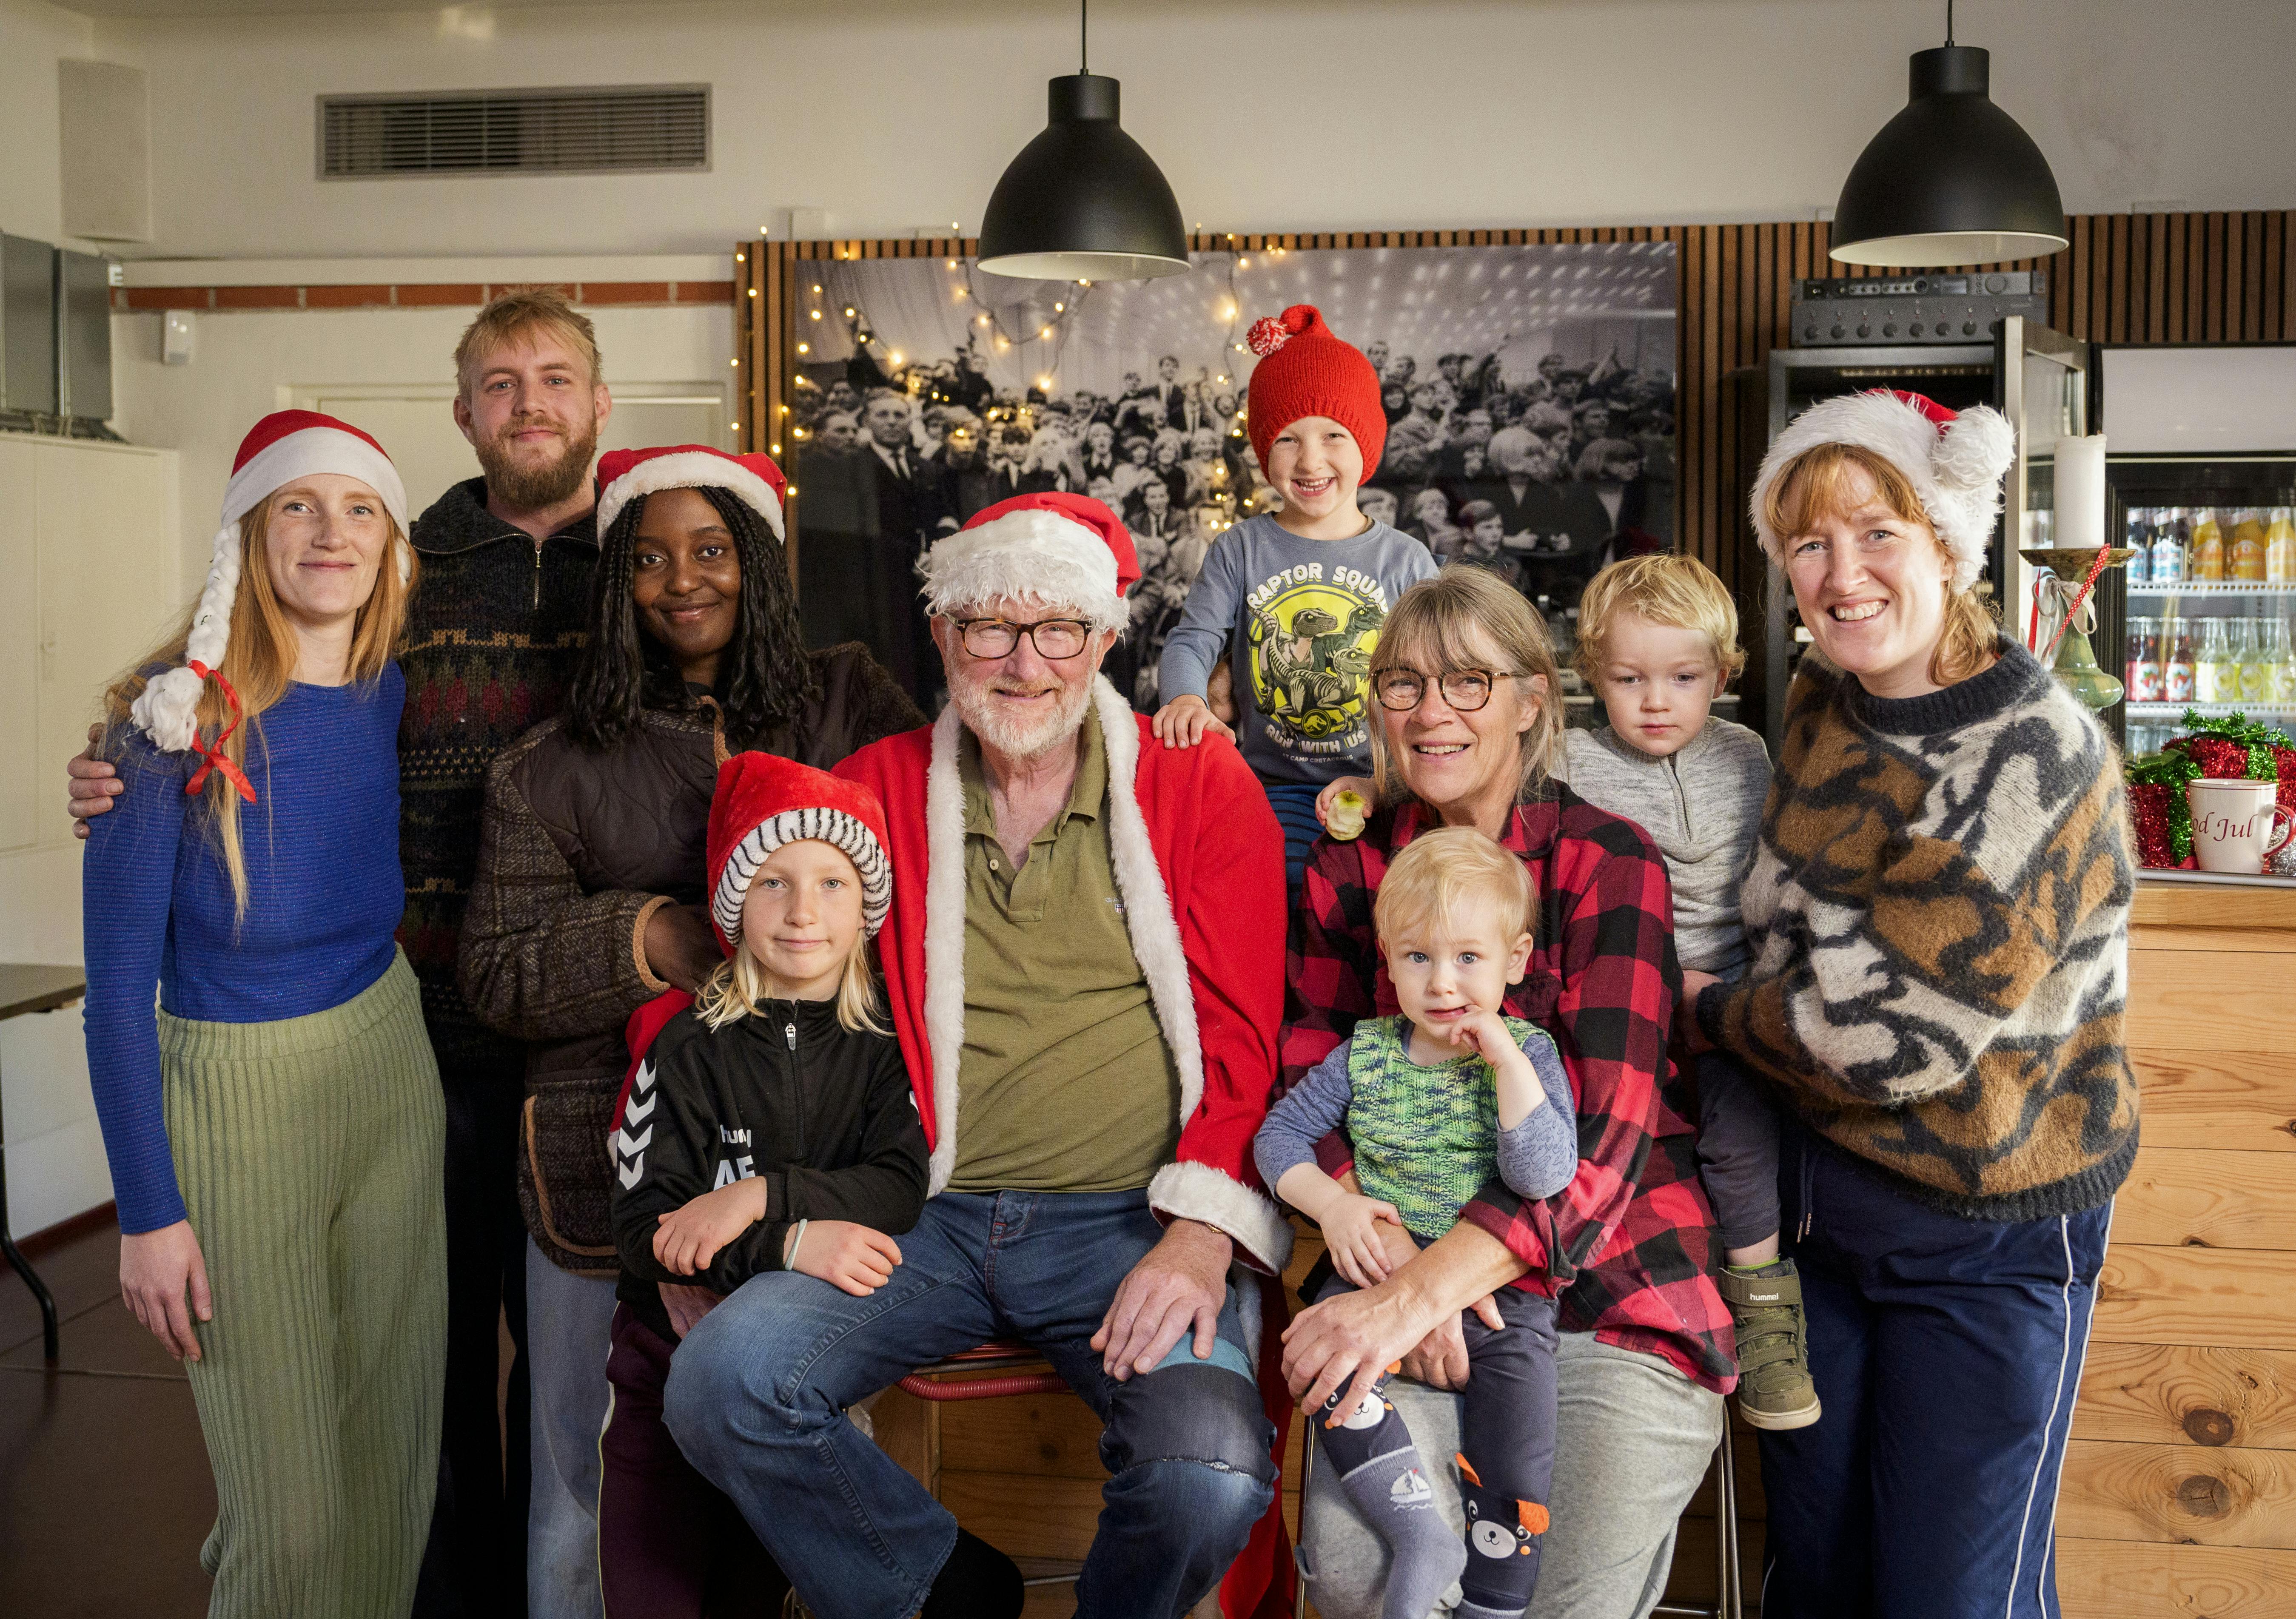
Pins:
x: 1954, y: 461
x: 624, y: 475
x: 279, y: 449
x: 1065, y: 551
x: 763, y: 801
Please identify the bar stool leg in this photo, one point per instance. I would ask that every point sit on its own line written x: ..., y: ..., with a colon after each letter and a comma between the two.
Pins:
x: 1730, y: 1595
x: 1299, y: 1547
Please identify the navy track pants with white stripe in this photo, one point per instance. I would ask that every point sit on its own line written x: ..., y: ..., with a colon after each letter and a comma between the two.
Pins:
x: 1947, y: 1354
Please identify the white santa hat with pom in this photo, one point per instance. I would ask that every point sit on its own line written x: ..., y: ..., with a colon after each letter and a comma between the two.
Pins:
x: 279, y: 449
x: 1954, y: 459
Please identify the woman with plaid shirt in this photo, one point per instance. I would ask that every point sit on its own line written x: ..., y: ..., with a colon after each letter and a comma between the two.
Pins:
x: 1468, y: 714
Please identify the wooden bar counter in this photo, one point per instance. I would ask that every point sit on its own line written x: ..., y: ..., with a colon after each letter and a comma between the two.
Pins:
x: 2179, y: 1494
x: 2179, y: 1491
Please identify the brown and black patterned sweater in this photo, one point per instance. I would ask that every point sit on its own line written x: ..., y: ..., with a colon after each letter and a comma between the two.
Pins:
x: 1939, y: 921
x: 491, y: 640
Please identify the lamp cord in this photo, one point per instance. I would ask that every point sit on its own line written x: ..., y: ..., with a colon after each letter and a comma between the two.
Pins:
x: 1948, y: 22
x: 1083, y: 34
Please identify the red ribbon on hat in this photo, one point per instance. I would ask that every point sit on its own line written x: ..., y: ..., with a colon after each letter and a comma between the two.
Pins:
x: 212, y: 752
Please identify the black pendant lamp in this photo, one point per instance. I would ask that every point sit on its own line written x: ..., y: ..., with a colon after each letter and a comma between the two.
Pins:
x: 1083, y: 201
x: 1952, y: 179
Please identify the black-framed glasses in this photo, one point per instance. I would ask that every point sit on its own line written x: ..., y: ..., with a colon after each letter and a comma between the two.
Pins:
x: 1056, y: 639
x: 1465, y: 689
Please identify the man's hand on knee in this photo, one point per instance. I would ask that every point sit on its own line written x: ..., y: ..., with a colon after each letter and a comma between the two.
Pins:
x: 1179, y: 1285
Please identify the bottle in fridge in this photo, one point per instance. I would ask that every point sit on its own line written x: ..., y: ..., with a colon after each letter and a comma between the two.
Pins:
x: 2208, y: 544
x: 2280, y: 662
x: 2255, y: 669
x: 2138, y: 539
x: 2216, y: 677
x: 2176, y: 665
x: 2168, y: 545
x: 2244, y: 550
x: 2143, y: 671
x: 2280, y: 546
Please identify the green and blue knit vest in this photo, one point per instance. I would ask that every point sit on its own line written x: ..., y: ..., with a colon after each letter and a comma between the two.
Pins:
x: 1426, y: 1136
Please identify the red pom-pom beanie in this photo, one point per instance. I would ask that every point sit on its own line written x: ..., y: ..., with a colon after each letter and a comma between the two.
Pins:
x: 1304, y: 370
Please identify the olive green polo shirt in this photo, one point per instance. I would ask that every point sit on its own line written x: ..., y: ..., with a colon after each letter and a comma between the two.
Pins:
x: 1065, y: 1082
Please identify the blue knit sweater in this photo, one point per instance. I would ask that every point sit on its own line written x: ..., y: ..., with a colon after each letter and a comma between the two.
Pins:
x: 324, y: 895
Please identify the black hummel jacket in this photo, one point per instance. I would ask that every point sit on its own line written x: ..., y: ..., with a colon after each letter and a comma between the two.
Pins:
x: 823, y: 1115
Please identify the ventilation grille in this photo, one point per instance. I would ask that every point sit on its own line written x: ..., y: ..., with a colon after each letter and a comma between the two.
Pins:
x: 532, y: 132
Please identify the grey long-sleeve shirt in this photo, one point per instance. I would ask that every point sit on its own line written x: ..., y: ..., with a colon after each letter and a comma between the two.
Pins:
x: 1702, y: 807
x: 1305, y: 615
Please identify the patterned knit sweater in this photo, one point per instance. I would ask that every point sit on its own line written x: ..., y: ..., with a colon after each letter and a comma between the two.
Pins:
x: 1938, y: 916
x: 491, y: 640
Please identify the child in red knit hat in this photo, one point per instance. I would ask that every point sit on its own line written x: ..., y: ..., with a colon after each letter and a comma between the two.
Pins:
x: 766, y: 1125
x: 1298, y: 595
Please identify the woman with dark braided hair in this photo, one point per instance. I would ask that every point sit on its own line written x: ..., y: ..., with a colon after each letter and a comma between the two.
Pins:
x: 587, y: 905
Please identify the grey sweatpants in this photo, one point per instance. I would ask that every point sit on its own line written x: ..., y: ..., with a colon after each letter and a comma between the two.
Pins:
x: 1633, y: 1437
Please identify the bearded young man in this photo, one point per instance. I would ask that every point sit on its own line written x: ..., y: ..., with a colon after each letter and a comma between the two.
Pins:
x: 1085, y: 965
x: 492, y: 635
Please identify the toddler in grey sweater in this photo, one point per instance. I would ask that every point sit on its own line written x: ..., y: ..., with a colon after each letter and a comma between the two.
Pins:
x: 1658, y: 639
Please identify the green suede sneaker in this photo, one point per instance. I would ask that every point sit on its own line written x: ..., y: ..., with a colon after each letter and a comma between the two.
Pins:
x: 1775, y: 1390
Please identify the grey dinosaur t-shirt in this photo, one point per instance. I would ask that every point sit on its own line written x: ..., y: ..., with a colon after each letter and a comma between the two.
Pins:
x: 1305, y: 615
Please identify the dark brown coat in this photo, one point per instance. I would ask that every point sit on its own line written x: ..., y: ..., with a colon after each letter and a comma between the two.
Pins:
x: 578, y: 850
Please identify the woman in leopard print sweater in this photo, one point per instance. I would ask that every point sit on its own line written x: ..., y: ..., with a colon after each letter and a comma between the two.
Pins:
x: 1938, y: 917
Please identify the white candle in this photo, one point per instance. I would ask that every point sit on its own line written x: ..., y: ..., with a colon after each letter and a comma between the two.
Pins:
x: 2081, y: 493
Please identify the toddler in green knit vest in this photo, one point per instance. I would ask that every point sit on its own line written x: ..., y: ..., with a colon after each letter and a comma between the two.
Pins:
x: 1436, y: 1101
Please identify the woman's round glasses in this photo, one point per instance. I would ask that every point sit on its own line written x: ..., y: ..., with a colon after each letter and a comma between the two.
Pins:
x: 1055, y: 639
x: 1465, y: 689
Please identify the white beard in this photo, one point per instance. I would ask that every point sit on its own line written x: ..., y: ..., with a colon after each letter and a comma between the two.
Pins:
x: 978, y: 709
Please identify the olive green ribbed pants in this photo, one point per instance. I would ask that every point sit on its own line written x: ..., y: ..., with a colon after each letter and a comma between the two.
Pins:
x: 310, y: 1153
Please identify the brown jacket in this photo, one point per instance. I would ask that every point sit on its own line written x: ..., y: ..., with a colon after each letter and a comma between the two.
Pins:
x: 576, y: 850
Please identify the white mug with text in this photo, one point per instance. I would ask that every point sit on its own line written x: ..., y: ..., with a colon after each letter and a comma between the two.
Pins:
x: 2236, y: 825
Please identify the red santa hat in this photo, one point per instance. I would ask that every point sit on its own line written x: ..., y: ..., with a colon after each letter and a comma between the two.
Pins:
x: 763, y: 801
x: 624, y: 475
x: 279, y: 449
x: 1954, y: 459
x: 1067, y: 552
x: 1305, y: 371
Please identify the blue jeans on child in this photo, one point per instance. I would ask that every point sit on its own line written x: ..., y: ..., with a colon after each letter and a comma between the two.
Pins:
x: 1948, y: 1354
x: 1294, y: 804
x: 757, y: 1392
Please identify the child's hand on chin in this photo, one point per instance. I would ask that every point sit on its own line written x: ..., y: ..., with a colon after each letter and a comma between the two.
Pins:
x: 844, y: 1255
x: 1484, y: 1034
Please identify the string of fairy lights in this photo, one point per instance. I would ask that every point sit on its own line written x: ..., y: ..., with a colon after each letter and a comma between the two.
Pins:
x: 989, y: 333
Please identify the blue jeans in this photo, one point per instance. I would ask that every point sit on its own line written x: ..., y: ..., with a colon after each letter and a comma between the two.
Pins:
x: 1948, y: 1354
x: 757, y: 1392
x: 569, y: 1334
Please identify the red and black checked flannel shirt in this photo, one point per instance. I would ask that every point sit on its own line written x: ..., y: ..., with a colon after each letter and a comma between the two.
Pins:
x: 1630, y: 1244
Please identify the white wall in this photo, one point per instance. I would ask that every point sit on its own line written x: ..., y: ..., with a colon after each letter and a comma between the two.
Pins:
x: 1428, y: 113
x: 33, y: 38
x: 247, y: 365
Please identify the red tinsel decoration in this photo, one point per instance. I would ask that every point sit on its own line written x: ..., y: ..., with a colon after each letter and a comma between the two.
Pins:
x: 2231, y: 747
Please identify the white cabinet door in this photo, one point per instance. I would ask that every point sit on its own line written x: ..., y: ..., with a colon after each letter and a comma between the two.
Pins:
x: 23, y: 783
x: 105, y: 523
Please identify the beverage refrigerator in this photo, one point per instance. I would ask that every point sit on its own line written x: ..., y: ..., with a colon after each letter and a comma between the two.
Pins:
x: 2201, y: 471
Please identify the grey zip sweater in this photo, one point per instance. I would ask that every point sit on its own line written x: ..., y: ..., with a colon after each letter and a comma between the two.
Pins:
x: 1702, y: 807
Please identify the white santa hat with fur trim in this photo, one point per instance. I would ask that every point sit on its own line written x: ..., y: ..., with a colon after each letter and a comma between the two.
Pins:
x: 1064, y: 551
x: 279, y: 449
x: 1955, y: 462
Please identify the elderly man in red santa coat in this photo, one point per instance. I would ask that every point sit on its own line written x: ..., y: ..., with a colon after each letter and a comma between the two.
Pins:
x: 1085, y: 963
